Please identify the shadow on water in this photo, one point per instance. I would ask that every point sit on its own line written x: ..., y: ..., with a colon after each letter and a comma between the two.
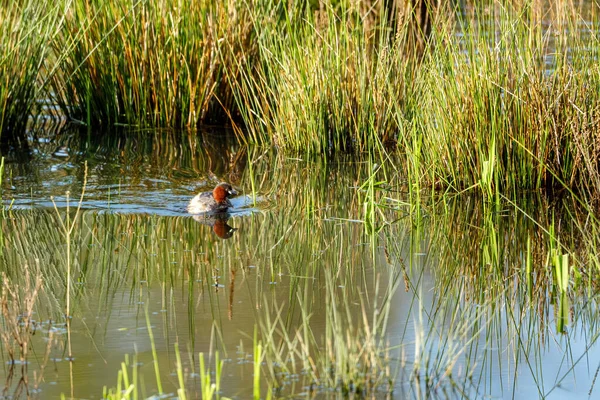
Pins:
x: 462, y: 301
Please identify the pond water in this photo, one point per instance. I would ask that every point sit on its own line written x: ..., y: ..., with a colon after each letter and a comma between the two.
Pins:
x: 334, y: 283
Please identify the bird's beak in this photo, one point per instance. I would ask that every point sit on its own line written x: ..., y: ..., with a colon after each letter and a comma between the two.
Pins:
x: 232, y: 192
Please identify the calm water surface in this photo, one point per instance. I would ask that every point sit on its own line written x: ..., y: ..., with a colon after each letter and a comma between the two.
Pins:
x: 445, y: 285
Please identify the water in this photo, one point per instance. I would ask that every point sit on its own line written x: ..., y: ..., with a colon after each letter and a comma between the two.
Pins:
x: 440, y: 300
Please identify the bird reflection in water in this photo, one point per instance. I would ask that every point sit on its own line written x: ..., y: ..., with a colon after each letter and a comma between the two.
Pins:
x: 218, y: 222
x: 219, y: 225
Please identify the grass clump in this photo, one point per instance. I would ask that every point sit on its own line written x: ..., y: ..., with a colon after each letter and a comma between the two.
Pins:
x: 510, y: 103
x: 26, y: 28
x: 502, y: 97
x: 130, y: 382
x: 149, y: 63
x: 493, y: 95
x: 325, y: 79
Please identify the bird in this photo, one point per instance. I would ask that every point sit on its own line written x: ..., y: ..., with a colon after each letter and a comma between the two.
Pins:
x: 216, y: 201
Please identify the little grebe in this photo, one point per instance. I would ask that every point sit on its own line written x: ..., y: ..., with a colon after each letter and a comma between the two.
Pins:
x: 216, y: 201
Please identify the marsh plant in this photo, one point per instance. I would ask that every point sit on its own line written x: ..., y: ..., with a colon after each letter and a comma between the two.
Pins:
x: 326, y: 82
x: 495, y: 299
x: 471, y: 112
x: 449, y: 122
x: 147, y: 63
x: 488, y: 284
x: 495, y: 96
x: 130, y: 382
x: 27, y: 27
x: 19, y: 312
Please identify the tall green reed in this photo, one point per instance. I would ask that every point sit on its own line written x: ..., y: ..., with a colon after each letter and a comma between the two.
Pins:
x: 496, y: 101
x: 322, y: 80
x: 133, y: 388
x: 149, y: 63
x: 26, y: 29
x: 499, y: 108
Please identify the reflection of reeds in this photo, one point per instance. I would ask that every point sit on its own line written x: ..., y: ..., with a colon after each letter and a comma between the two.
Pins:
x: 350, y: 355
x: 319, y: 279
x: 501, y: 274
x: 114, y: 252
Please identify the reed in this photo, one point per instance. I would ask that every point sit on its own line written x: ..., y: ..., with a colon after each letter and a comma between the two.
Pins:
x: 323, y: 79
x: 471, y: 112
x: 494, y: 118
x: 146, y: 63
x: 127, y: 389
x: 208, y: 389
x: 500, y: 98
x: 26, y: 29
